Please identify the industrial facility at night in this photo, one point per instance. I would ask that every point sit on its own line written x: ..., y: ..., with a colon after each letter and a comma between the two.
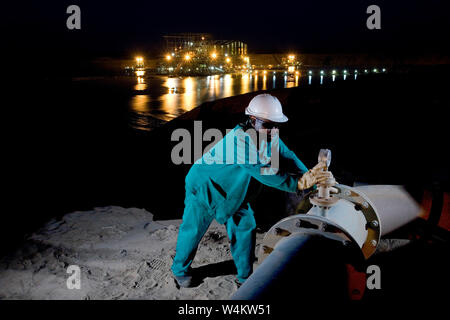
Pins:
x: 200, y: 54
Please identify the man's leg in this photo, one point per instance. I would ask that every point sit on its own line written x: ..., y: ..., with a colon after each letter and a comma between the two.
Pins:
x: 196, y: 220
x: 241, y: 231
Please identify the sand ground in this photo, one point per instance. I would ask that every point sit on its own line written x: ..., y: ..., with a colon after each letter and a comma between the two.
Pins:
x: 122, y: 253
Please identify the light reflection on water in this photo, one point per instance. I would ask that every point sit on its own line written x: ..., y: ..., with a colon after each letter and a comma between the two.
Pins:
x: 158, y: 99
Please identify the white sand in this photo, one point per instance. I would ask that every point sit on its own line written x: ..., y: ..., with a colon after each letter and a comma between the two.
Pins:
x: 122, y: 254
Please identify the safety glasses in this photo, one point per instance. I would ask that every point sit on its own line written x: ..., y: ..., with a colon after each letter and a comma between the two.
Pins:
x: 267, y: 124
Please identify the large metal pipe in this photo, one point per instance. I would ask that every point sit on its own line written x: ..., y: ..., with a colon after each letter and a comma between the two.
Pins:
x: 331, y: 229
x: 394, y: 205
x: 296, y: 248
x: 313, y: 259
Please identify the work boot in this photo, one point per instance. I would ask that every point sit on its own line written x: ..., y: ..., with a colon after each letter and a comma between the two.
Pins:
x: 238, y: 282
x: 184, y: 281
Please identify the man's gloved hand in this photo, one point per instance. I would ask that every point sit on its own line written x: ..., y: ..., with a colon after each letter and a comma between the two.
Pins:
x: 314, y: 176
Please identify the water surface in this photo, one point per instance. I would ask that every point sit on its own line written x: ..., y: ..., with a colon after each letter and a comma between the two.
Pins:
x: 158, y: 99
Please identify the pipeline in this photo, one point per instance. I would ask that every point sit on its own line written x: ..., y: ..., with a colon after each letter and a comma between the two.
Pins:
x: 305, y: 255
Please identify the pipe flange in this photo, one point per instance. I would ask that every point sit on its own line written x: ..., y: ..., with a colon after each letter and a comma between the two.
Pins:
x: 362, y: 205
x: 302, y: 223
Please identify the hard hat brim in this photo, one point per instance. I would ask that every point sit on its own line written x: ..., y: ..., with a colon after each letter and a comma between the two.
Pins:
x: 281, y: 119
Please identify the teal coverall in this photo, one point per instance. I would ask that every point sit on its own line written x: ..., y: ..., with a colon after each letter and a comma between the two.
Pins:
x: 216, y: 186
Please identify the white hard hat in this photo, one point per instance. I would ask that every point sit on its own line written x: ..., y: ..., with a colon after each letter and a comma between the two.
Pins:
x: 267, y: 107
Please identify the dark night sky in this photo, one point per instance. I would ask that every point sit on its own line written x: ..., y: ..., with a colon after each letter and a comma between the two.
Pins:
x: 123, y: 28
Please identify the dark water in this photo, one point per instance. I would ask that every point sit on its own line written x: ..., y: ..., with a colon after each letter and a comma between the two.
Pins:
x: 165, y: 98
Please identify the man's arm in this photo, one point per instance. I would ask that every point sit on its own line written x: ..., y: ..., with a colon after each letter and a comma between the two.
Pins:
x: 281, y: 181
x: 246, y: 151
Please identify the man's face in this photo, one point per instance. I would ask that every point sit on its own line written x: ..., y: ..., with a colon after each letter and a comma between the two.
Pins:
x: 265, y: 128
x: 260, y: 124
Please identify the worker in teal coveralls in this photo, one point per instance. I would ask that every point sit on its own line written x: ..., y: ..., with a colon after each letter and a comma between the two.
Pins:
x: 217, y: 183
